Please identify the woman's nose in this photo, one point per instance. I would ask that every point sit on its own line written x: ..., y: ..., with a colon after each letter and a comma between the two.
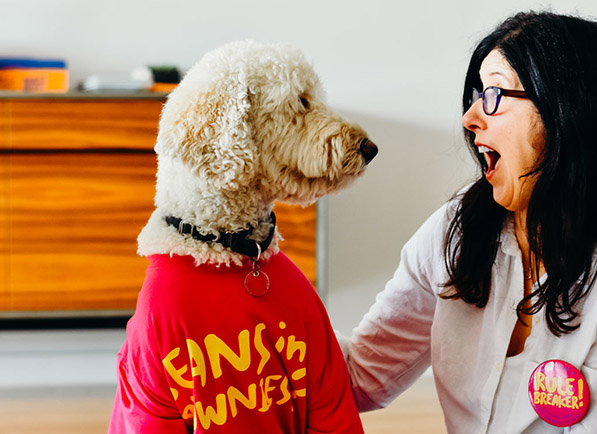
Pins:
x: 473, y: 118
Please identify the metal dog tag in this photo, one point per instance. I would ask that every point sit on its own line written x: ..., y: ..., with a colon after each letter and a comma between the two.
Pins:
x: 256, y: 281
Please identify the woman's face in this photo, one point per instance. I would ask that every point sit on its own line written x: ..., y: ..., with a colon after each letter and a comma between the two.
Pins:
x: 514, y: 136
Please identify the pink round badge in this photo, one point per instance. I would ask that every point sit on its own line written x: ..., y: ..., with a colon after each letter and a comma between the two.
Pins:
x: 559, y: 393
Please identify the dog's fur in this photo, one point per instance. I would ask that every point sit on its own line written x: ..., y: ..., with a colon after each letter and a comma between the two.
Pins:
x: 246, y: 127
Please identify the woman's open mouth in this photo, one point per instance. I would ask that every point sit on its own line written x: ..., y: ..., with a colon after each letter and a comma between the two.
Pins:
x: 491, y: 158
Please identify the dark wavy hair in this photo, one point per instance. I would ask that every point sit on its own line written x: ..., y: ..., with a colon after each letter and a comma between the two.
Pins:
x: 555, y: 57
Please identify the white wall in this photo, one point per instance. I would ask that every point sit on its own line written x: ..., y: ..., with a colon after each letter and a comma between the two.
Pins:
x: 396, y: 67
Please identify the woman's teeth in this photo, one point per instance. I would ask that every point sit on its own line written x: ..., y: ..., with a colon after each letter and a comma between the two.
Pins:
x: 491, y: 157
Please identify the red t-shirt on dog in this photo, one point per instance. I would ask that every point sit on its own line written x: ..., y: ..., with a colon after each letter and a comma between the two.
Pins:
x: 203, y: 355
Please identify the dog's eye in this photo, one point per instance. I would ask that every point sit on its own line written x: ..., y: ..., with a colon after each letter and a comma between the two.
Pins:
x: 305, y: 102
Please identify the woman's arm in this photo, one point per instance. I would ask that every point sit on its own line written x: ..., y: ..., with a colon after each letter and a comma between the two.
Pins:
x: 390, y: 348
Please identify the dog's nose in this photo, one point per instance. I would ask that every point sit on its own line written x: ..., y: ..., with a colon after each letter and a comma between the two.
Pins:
x: 368, y: 149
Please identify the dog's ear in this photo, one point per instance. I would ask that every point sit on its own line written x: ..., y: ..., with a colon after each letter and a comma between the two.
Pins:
x: 209, y: 132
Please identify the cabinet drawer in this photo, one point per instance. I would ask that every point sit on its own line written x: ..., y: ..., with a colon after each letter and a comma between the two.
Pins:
x: 70, y: 223
x: 80, y: 124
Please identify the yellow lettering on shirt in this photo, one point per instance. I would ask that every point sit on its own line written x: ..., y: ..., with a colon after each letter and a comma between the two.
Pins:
x: 294, y: 346
x: 266, y: 388
x: 217, y: 348
x: 217, y: 415
x: 176, y: 374
x: 197, y: 361
x: 205, y: 360
x: 263, y: 352
x: 249, y: 401
x: 285, y: 391
x: 299, y: 373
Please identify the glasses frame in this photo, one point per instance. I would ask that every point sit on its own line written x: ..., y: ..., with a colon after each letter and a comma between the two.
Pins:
x: 500, y: 93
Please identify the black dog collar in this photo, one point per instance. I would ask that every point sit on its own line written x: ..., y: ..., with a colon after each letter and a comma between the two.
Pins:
x: 236, y: 241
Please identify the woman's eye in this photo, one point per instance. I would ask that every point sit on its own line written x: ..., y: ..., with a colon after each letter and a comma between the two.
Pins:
x: 304, y: 102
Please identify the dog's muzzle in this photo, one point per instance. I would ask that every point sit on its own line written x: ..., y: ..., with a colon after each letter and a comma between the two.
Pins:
x: 368, y: 150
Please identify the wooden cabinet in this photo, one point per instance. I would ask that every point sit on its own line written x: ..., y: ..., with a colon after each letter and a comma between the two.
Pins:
x: 77, y: 178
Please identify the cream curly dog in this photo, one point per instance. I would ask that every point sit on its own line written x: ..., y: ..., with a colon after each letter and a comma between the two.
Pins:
x: 228, y: 334
x: 246, y: 127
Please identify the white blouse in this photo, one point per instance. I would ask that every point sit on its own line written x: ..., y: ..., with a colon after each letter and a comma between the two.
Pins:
x: 480, y: 390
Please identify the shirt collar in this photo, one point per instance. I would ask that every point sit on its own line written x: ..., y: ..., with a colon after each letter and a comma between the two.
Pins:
x: 508, y: 241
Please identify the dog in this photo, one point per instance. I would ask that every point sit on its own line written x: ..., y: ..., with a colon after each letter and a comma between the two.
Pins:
x: 228, y: 335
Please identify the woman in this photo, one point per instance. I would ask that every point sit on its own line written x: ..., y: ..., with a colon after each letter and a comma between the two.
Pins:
x: 501, y: 278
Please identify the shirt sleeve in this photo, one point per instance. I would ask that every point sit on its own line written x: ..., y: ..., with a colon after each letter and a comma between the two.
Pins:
x: 137, y: 407
x: 331, y: 407
x: 390, y: 348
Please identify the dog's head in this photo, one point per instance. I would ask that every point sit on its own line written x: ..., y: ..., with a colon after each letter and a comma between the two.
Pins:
x: 252, y: 116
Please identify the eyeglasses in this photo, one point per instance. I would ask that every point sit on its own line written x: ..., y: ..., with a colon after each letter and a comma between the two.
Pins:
x: 492, y: 96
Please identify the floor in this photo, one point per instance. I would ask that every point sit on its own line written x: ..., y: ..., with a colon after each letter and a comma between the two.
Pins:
x: 83, y: 411
x: 416, y: 411
x: 41, y: 391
